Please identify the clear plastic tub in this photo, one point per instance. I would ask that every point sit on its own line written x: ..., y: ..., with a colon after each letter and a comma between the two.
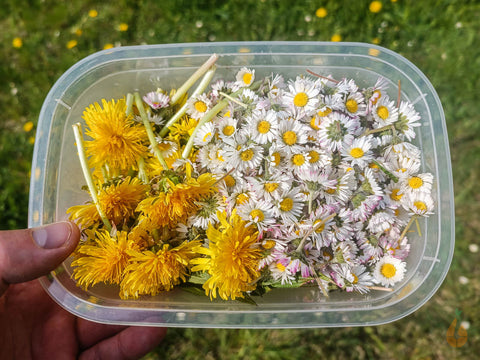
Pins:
x: 56, y: 182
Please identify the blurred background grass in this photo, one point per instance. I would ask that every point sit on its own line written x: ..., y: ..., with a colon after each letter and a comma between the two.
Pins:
x: 42, y: 39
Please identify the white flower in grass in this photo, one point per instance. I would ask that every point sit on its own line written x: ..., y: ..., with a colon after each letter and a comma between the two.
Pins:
x: 408, y: 120
x: 263, y: 126
x: 358, y: 151
x: 384, y: 112
x: 156, y: 100
x: 389, y: 270
x: 292, y: 134
x: 205, y: 134
x: 258, y: 212
x: 245, y: 77
x: 289, y: 207
x: 198, y: 106
x: 336, y: 130
x: 301, y: 96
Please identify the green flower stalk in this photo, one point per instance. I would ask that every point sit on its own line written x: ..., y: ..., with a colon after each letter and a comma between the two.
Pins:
x: 77, y: 132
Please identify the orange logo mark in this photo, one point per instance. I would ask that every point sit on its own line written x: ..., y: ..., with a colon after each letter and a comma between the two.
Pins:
x: 456, y: 337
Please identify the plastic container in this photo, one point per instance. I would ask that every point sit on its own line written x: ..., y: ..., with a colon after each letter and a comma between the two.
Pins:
x: 56, y: 182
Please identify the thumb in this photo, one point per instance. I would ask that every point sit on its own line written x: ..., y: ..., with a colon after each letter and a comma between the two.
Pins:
x: 31, y: 253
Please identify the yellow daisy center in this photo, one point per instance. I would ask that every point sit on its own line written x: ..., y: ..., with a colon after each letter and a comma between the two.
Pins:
x: 298, y: 159
x: 313, y: 123
x: 270, y: 187
x: 355, y: 279
x: 319, y: 228
x: 377, y: 94
x: 280, y: 267
x: 247, y: 78
x: 300, y: 99
x: 263, y: 127
x: 420, y: 205
x: 257, y: 214
x: 229, y: 181
x: 388, y: 270
x: 268, y: 244
x: 246, y: 155
x: 356, y: 152
x: 286, y: 204
x: 242, y: 198
x: 324, y: 112
x: 382, y: 112
x: 395, y: 196
x: 228, y: 130
x: 289, y: 137
x: 276, y: 158
x: 314, y: 156
x: 330, y: 191
x: 207, y: 136
x: 200, y: 106
x: 351, y: 105
x: 415, y: 182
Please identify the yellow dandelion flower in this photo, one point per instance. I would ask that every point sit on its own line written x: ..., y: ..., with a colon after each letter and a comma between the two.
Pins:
x: 71, y: 44
x: 102, y: 259
x: 321, y: 12
x: 93, y: 13
x: 375, y: 6
x: 108, y: 46
x: 17, y: 43
x: 86, y: 215
x: 150, y: 272
x: 28, y: 126
x: 123, y: 27
x: 31, y: 140
x: 232, y: 258
x: 183, y: 129
x: 120, y: 200
x: 117, y: 140
x: 78, y: 32
x: 336, y: 38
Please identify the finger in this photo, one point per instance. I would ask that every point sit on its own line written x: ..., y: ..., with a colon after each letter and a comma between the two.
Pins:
x: 90, y: 333
x: 31, y: 253
x: 131, y: 343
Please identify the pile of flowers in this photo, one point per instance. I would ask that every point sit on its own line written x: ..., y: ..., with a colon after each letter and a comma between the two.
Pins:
x: 250, y: 185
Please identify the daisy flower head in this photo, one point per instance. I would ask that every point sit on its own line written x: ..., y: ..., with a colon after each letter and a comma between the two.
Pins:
x: 416, y: 184
x: 408, y: 120
x: 301, y: 96
x: 167, y: 147
x: 263, y: 126
x: 289, y: 206
x: 298, y: 161
x: 271, y: 187
x: 292, y: 135
x: 198, y: 106
x: 393, y: 195
x: 257, y: 212
x: 336, y: 130
x: 227, y: 127
x: 222, y: 86
x: 245, y: 77
x: 384, y: 112
x: 362, y: 279
x: 244, y: 157
x: 207, y: 213
x: 277, y: 157
x: 157, y: 99
x: 205, y: 134
x: 389, y: 270
x: 355, y: 104
x: 283, y: 269
x: 419, y: 204
x: 375, y: 93
x: 358, y: 151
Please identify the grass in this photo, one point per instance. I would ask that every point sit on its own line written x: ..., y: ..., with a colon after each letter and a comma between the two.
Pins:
x: 439, y: 36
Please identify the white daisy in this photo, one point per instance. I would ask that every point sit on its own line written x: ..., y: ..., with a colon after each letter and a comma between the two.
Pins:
x: 227, y: 127
x: 167, y: 148
x: 416, y: 184
x: 207, y: 213
x: 283, y: 269
x: 245, y: 77
x: 204, y: 134
x: 384, y: 112
x: 258, y: 212
x: 380, y: 222
x: 245, y: 157
x: 355, y: 104
x: 198, y: 106
x: 289, y: 206
x: 336, y: 130
x: 301, y: 96
x: 270, y: 188
x: 263, y: 126
x: 408, y: 120
x: 419, y: 204
x: 157, y: 99
x: 389, y: 270
x: 362, y: 279
x: 292, y: 135
x: 277, y: 157
x: 358, y: 151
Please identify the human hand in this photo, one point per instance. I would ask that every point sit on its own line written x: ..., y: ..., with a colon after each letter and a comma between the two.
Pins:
x: 33, y: 326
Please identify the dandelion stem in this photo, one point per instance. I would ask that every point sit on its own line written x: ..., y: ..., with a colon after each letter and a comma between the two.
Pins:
x: 404, y: 232
x: 233, y: 99
x: 148, y: 128
x: 142, y: 174
x: 206, y: 118
x: 191, y: 80
x: 387, y: 172
x: 129, y: 102
x: 200, y: 88
x: 77, y: 132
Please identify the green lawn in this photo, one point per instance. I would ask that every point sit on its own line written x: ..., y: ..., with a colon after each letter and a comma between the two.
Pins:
x: 41, y: 39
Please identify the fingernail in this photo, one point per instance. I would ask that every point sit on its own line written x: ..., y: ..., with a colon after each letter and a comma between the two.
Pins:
x: 52, y: 236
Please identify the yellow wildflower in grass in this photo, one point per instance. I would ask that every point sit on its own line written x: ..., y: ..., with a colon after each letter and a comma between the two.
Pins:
x: 120, y: 200
x: 28, y: 126
x: 17, y: 43
x: 321, y: 12
x: 31, y: 140
x: 123, y: 27
x: 93, y: 13
x: 107, y: 46
x: 102, y: 259
x: 232, y: 258
x: 71, y: 44
x: 375, y: 6
x: 117, y: 140
x: 336, y: 38
x: 150, y: 272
